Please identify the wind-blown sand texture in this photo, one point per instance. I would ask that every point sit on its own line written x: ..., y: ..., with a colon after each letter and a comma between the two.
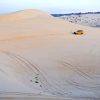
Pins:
x: 39, y: 56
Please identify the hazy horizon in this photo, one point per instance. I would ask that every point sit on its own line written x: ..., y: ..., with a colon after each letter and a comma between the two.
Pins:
x: 52, y: 7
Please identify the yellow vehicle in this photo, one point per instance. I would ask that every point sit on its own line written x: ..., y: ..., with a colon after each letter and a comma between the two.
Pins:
x: 79, y: 32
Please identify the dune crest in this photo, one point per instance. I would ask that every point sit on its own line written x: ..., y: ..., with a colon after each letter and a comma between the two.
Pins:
x: 24, y: 14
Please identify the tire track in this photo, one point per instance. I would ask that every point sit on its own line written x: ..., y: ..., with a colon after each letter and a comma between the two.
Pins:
x: 16, y: 93
x: 75, y: 69
x: 32, y: 70
x: 94, y: 86
x: 29, y: 68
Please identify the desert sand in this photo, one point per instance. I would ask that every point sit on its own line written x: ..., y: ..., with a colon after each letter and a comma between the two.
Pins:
x: 40, y: 57
x: 92, y: 20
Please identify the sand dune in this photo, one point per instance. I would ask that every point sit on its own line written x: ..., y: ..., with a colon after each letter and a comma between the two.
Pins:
x: 84, y: 19
x: 24, y: 14
x: 40, y: 55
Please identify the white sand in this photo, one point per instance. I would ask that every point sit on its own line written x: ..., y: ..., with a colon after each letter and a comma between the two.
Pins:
x: 84, y: 19
x: 39, y: 55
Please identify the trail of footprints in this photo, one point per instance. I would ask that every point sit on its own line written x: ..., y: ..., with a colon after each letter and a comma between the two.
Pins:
x: 26, y: 72
x: 32, y: 76
x: 36, y: 80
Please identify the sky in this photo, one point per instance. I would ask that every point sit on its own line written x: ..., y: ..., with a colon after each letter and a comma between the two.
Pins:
x: 50, y: 6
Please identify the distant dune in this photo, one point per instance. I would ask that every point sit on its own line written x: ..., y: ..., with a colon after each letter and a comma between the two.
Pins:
x: 24, y: 14
x: 40, y: 56
x: 84, y: 19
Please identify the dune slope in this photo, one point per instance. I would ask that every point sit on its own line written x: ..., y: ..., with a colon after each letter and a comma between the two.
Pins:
x: 40, y: 54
